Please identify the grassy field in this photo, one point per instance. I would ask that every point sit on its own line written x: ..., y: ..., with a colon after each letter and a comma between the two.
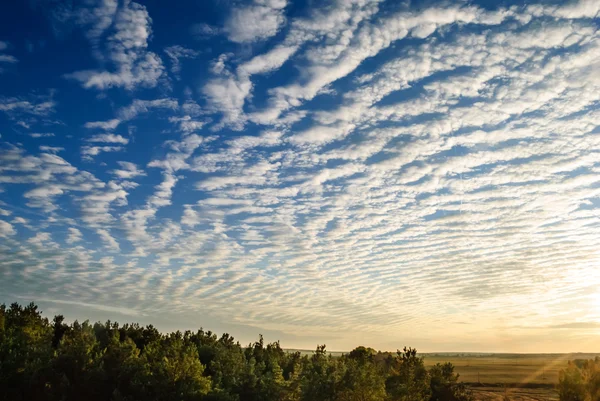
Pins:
x: 500, y: 369
x: 517, y: 377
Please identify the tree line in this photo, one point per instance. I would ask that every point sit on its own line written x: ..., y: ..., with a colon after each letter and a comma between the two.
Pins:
x: 55, y: 361
x: 52, y: 360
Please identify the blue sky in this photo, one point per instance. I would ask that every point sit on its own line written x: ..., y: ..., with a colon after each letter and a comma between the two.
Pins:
x: 348, y: 172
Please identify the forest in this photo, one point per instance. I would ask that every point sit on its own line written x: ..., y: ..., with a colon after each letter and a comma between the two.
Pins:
x: 51, y: 360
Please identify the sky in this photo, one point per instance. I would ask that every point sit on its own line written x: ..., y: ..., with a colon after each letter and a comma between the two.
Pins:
x: 350, y: 172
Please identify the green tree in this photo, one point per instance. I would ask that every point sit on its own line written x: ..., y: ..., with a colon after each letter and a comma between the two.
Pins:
x: 445, y: 386
x: 171, y: 371
x: 228, y: 366
x: 77, y: 367
x: 25, y: 352
x: 294, y: 378
x: 408, y: 380
x: 141, y: 336
x: 362, y: 354
x: 122, y: 365
x: 362, y: 380
x: 320, y: 377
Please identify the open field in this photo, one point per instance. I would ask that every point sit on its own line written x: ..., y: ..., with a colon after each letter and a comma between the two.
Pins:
x: 519, y: 377
x: 492, y: 377
x: 498, y: 393
x: 506, y: 368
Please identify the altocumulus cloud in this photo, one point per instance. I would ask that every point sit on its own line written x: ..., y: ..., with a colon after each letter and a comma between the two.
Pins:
x: 361, y: 171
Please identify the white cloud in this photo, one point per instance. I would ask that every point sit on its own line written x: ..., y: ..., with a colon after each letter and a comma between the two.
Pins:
x: 105, y: 125
x: 109, y: 138
x: 145, y: 72
x: 269, y: 61
x: 244, y: 143
x: 575, y: 9
x: 176, y: 53
x: 321, y: 134
x: 259, y: 20
x: 203, y: 30
x: 135, y: 221
x: 187, y: 123
x: 370, y: 39
x: 6, y: 229
x: 180, y: 152
x: 43, y: 192
x: 88, y: 152
x: 38, y: 106
x: 40, y: 239
x: 48, y: 174
x: 108, y: 240
x: 100, y: 17
x: 227, y: 95
x: 51, y: 149
x: 260, y: 173
x: 127, y: 171
x: 126, y: 47
x: 74, y: 236
x: 97, y: 204
x: 139, y: 106
x: 228, y: 92
x: 5, y: 58
x: 41, y: 134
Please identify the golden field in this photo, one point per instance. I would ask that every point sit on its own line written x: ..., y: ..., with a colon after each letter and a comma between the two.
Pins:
x: 516, y: 377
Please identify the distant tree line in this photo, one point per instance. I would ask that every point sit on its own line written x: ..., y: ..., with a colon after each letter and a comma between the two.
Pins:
x: 52, y: 360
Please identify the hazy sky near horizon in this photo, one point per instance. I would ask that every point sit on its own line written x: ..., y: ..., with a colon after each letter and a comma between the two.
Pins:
x: 345, y: 172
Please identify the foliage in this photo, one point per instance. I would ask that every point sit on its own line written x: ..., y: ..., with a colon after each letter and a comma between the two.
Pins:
x: 54, y: 361
x: 580, y: 381
x: 445, y: 386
